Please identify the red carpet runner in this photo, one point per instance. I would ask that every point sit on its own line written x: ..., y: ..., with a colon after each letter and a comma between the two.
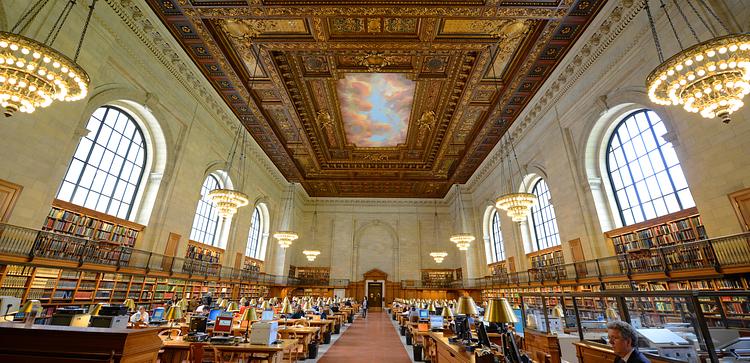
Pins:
x: 368, y: 340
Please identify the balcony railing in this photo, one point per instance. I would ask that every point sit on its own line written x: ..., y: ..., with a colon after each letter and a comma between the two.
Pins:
x: 717, y: 254
x: 32, y: 244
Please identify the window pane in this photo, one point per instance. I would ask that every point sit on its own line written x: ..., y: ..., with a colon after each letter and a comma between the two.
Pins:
x: 97, y: 163
x: 206, y: 218
x: 543, y: 217
x: 649, y: 186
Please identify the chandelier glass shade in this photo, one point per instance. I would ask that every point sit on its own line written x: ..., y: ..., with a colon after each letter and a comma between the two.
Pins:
x: 710, y: 78
x: 311, y: 254
x: 34, y: 75
x: 462, y: 240
x: 439, y: 256
x: 285, y: 238
x: 227, y: 201
x: 516, y: 205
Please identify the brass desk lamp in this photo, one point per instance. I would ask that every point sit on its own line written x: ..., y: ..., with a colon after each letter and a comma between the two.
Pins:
x: 248, y: 316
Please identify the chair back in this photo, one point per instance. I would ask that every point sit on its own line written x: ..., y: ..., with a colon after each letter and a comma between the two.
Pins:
x: 173, y: 332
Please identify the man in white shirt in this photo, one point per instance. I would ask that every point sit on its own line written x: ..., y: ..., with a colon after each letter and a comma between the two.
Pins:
x: 140, y: 317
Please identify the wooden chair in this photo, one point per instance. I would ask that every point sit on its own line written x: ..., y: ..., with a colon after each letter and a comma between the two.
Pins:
x: 298, y: 350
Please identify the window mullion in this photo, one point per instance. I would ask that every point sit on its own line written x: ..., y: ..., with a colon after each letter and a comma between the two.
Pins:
x: 664, y: 160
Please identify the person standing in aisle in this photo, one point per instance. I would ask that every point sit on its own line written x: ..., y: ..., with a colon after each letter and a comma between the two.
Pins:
x: 364, y: 307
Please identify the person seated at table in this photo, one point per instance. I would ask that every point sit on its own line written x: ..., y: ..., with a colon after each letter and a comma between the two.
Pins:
x: 335, y: 308
x: 140, y: 317
x: 298, y: 313
x: 413, y: 315
x: 324, y: 313
x: 348, y: 303
x: 244, y: 307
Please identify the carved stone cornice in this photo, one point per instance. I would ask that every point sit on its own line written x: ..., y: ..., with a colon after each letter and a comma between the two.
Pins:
x: 608, y: 31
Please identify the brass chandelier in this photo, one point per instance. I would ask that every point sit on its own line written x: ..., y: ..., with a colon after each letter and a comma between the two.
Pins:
x: 286, y: 236
x: 311, y: 254
x: 439, y: 256
x: 228, y: 201
x: 461, y: 238
x: 32, y: 73
x: 711, y: 77
x: 516, y: 204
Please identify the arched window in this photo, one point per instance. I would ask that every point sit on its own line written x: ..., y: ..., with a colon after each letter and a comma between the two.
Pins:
x: 258, y: 237
x: 206, y: 221
x: 543, y: 218
x: 644, y: 171
x: 107, y: 168
x: 496, y: 238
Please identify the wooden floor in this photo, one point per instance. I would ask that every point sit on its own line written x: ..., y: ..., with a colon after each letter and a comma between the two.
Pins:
x: 370, y: 339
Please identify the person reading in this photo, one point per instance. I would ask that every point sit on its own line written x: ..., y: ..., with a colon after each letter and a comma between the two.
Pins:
x: 140, y: 317
x: 624, y: 341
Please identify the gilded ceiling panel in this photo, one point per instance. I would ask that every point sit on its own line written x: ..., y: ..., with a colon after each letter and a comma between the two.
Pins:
x: 282, y: 67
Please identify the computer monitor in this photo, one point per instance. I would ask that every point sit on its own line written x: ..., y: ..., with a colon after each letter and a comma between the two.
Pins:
x: 157, y: 314
x: 436, y: 322
x: 438, y: 310
x: 198, y: 324
x: 267, y: 315
x: 484, y: 339
x: 223, y: 324
x: 424, y: 314
x: 213, y: 314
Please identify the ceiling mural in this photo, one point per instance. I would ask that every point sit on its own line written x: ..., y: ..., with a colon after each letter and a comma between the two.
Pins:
x: 367, y: 99
x: 375, y: 108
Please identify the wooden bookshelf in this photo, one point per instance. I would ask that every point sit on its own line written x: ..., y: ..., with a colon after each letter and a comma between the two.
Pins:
x: 201, y: 258
x: 311, y: 275
x: 635, y: 243
x: 498, y: 268
x: 252, y: 264
x: 438, y: 277
x: 547, y: 264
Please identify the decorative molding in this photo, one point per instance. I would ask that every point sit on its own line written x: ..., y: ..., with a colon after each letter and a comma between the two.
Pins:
x: 609, y: 30
x: 184, y: 71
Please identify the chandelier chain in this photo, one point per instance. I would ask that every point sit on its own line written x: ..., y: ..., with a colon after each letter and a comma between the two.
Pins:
x: 23, y: 23
x: 695, y: 11
x: 85, y: 28
x: 716, y: 17
x: 59, y: 22
x: 685, y: 19
x: 654, y: 33
x: 671, y: 24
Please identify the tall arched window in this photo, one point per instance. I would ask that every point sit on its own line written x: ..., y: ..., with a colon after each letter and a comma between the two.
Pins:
x: 543, y: 218
x: 107, y: 168
x: 258, y: 237
x: 644, y: 171
x: 496, y: 238
x: 206, y: 221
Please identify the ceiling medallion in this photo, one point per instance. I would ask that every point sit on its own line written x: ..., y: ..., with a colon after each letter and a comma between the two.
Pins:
x: 375, y: 62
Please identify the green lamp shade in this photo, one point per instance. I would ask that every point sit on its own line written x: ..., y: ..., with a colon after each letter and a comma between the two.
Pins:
x: 466, y: 306
x: 249, y: 314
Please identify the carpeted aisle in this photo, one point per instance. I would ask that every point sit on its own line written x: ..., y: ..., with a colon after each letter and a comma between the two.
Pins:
x: 368, y: 340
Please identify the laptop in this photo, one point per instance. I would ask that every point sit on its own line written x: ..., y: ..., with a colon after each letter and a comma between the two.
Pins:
x: 436, y: 323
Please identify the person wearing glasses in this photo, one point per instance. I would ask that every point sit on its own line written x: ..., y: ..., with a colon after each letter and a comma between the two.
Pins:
x: 624, y: 341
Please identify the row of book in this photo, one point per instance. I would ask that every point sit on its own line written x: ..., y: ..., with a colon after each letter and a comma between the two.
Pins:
x: 202, y: 254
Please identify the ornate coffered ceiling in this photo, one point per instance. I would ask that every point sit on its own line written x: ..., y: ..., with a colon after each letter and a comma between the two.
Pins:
x: 429, y: 87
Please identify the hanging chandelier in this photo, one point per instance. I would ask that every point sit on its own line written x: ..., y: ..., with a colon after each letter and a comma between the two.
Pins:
x: 462, y: 238
x: 33, y: 74
x: 517, y: 205
x: 228, y: 201
x: 711, y: 77
x: 286, y: 236
x: 311, y: 254
x: 439, y: 256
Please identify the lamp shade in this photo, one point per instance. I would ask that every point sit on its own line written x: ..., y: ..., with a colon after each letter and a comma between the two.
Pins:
x: 249, y: 314
x: 558, y: 312
x: 499, y: 311
x: 286, y: 308
x: 466, y: 306
x: 232, y: 306
x: 223, y: 303
x: 95, y: 308
x: 29, y: 306
x: 307, y: 306
x: 431, y: 308
x: 612, y: 314
x: 243, y: 301
x: 531, y: 322
x: 173, y: 313
x: 447, y: 313
x: 130, y: 304
x: 264, y: 306
x: 182, y: 303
